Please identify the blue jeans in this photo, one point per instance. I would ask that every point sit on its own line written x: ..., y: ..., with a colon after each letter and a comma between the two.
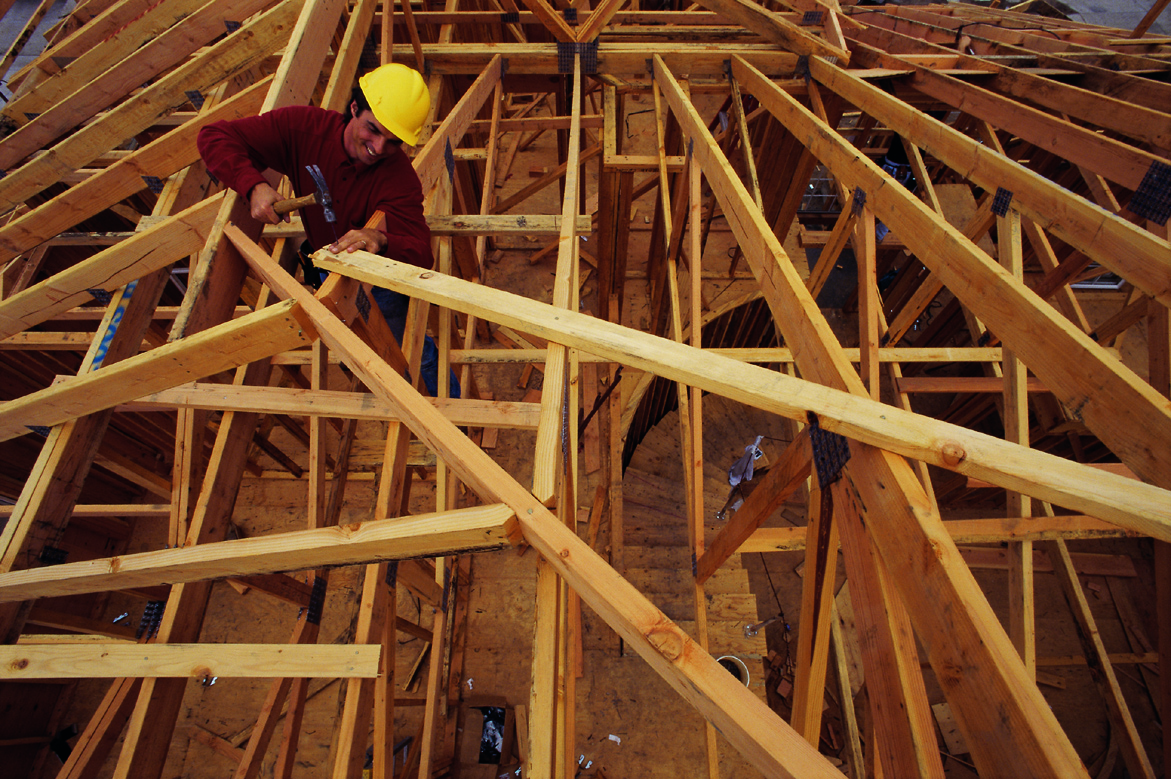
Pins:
x: 393, y: 306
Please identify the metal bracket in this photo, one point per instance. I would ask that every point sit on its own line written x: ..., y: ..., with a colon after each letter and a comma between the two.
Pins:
x: 154, y: 184
x: 830, y: 452
x: 570, y: 15
x: 1152, y: 199
x: 40, y: 430
x: 802, y: 68
x: 858, y: 202
x: 101, y: 296
x: 316, y: 601
x: 1001, y: 201
x: 51, y: 555
x: 510, y: 17
x: 589, y: 56
x: 152, y: 616
x: 362, y: 303
x: 392, y: 574
x: 449, y: 158
x: 811, y: 17
x: 446, y: 587
x: 196, y: 98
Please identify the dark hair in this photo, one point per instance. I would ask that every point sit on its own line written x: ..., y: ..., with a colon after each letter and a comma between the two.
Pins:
x: 359, y: 97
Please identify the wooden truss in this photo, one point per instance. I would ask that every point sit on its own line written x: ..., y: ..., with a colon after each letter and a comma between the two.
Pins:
x: 1059, y: 140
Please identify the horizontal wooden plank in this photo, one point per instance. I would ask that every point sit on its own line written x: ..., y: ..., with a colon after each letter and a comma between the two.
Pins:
x: 1087, y: 564
x: 426, y: 535
x: 330, y: 403
x: 977, y: 384
x: 126, y: 510
x: 620, y: 59
x: 241, y: 341
x: 197, y: 661
x: 502, y: 224
x: 963, y: 531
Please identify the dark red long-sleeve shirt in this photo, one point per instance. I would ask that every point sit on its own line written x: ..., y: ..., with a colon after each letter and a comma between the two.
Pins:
x: 287, y: 140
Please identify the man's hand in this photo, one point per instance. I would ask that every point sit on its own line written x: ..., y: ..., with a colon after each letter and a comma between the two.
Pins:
x: 365, y: 240
x: 261, y: 200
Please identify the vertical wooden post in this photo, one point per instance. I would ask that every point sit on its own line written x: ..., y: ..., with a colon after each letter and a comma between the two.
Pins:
x: 869, y: 302
x: 1021, y: 606
x: 817, y: 597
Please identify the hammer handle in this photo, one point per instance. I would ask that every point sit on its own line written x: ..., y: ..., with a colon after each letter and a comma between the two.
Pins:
x: 285, y: 206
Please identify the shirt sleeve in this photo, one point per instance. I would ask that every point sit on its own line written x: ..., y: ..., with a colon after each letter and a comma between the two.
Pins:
x: 237, y: 151
x: 401, y: 199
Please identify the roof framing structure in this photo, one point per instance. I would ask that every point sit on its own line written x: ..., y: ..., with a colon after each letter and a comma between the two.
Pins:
x: 1056, y: 143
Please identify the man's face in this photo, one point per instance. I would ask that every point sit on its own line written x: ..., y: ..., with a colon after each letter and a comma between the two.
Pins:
x: 365, y: 140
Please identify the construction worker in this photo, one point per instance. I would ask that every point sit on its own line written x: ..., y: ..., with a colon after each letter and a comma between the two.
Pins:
x: 362, y: 166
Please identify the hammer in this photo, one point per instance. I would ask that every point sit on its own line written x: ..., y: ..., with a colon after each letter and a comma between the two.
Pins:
x: 282, y: 207
x: 323, y: 195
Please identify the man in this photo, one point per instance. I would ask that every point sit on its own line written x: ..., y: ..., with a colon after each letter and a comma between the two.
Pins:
x: 360, y: 157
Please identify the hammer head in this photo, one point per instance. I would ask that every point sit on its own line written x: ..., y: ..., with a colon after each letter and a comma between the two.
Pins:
x: 323, y: 196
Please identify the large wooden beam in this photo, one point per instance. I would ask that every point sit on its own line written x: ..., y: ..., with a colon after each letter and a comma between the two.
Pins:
x: 198, y: 661
x: 775, y: 487
x: 227, y: 346
x: 624, y: 60
x: 332, y: 403
x: 430, y: 162
x: 962, y: 531
x: 775, y: 27
x: 1123, y: 501
x: 479, y: 528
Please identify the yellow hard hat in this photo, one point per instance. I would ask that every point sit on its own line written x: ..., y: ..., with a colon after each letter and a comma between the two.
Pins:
x: 399, y: 98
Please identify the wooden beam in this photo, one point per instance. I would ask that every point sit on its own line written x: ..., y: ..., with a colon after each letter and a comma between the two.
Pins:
x: 962, y: 531
x: 552, y: 20
x: 198, y: 661
x: 775, y: 28
x: 502, y: 224
x: 552, y: 432
x: 332, y: 403
x: 1113, y: 159
x: 781, y: 481
x: 900, y: 520
x: 624, y: 60
x: 1130, y: 504
x: 430, y: 161
x: 232, y: 344
x: 480, y: 528
x: 904, y: 730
